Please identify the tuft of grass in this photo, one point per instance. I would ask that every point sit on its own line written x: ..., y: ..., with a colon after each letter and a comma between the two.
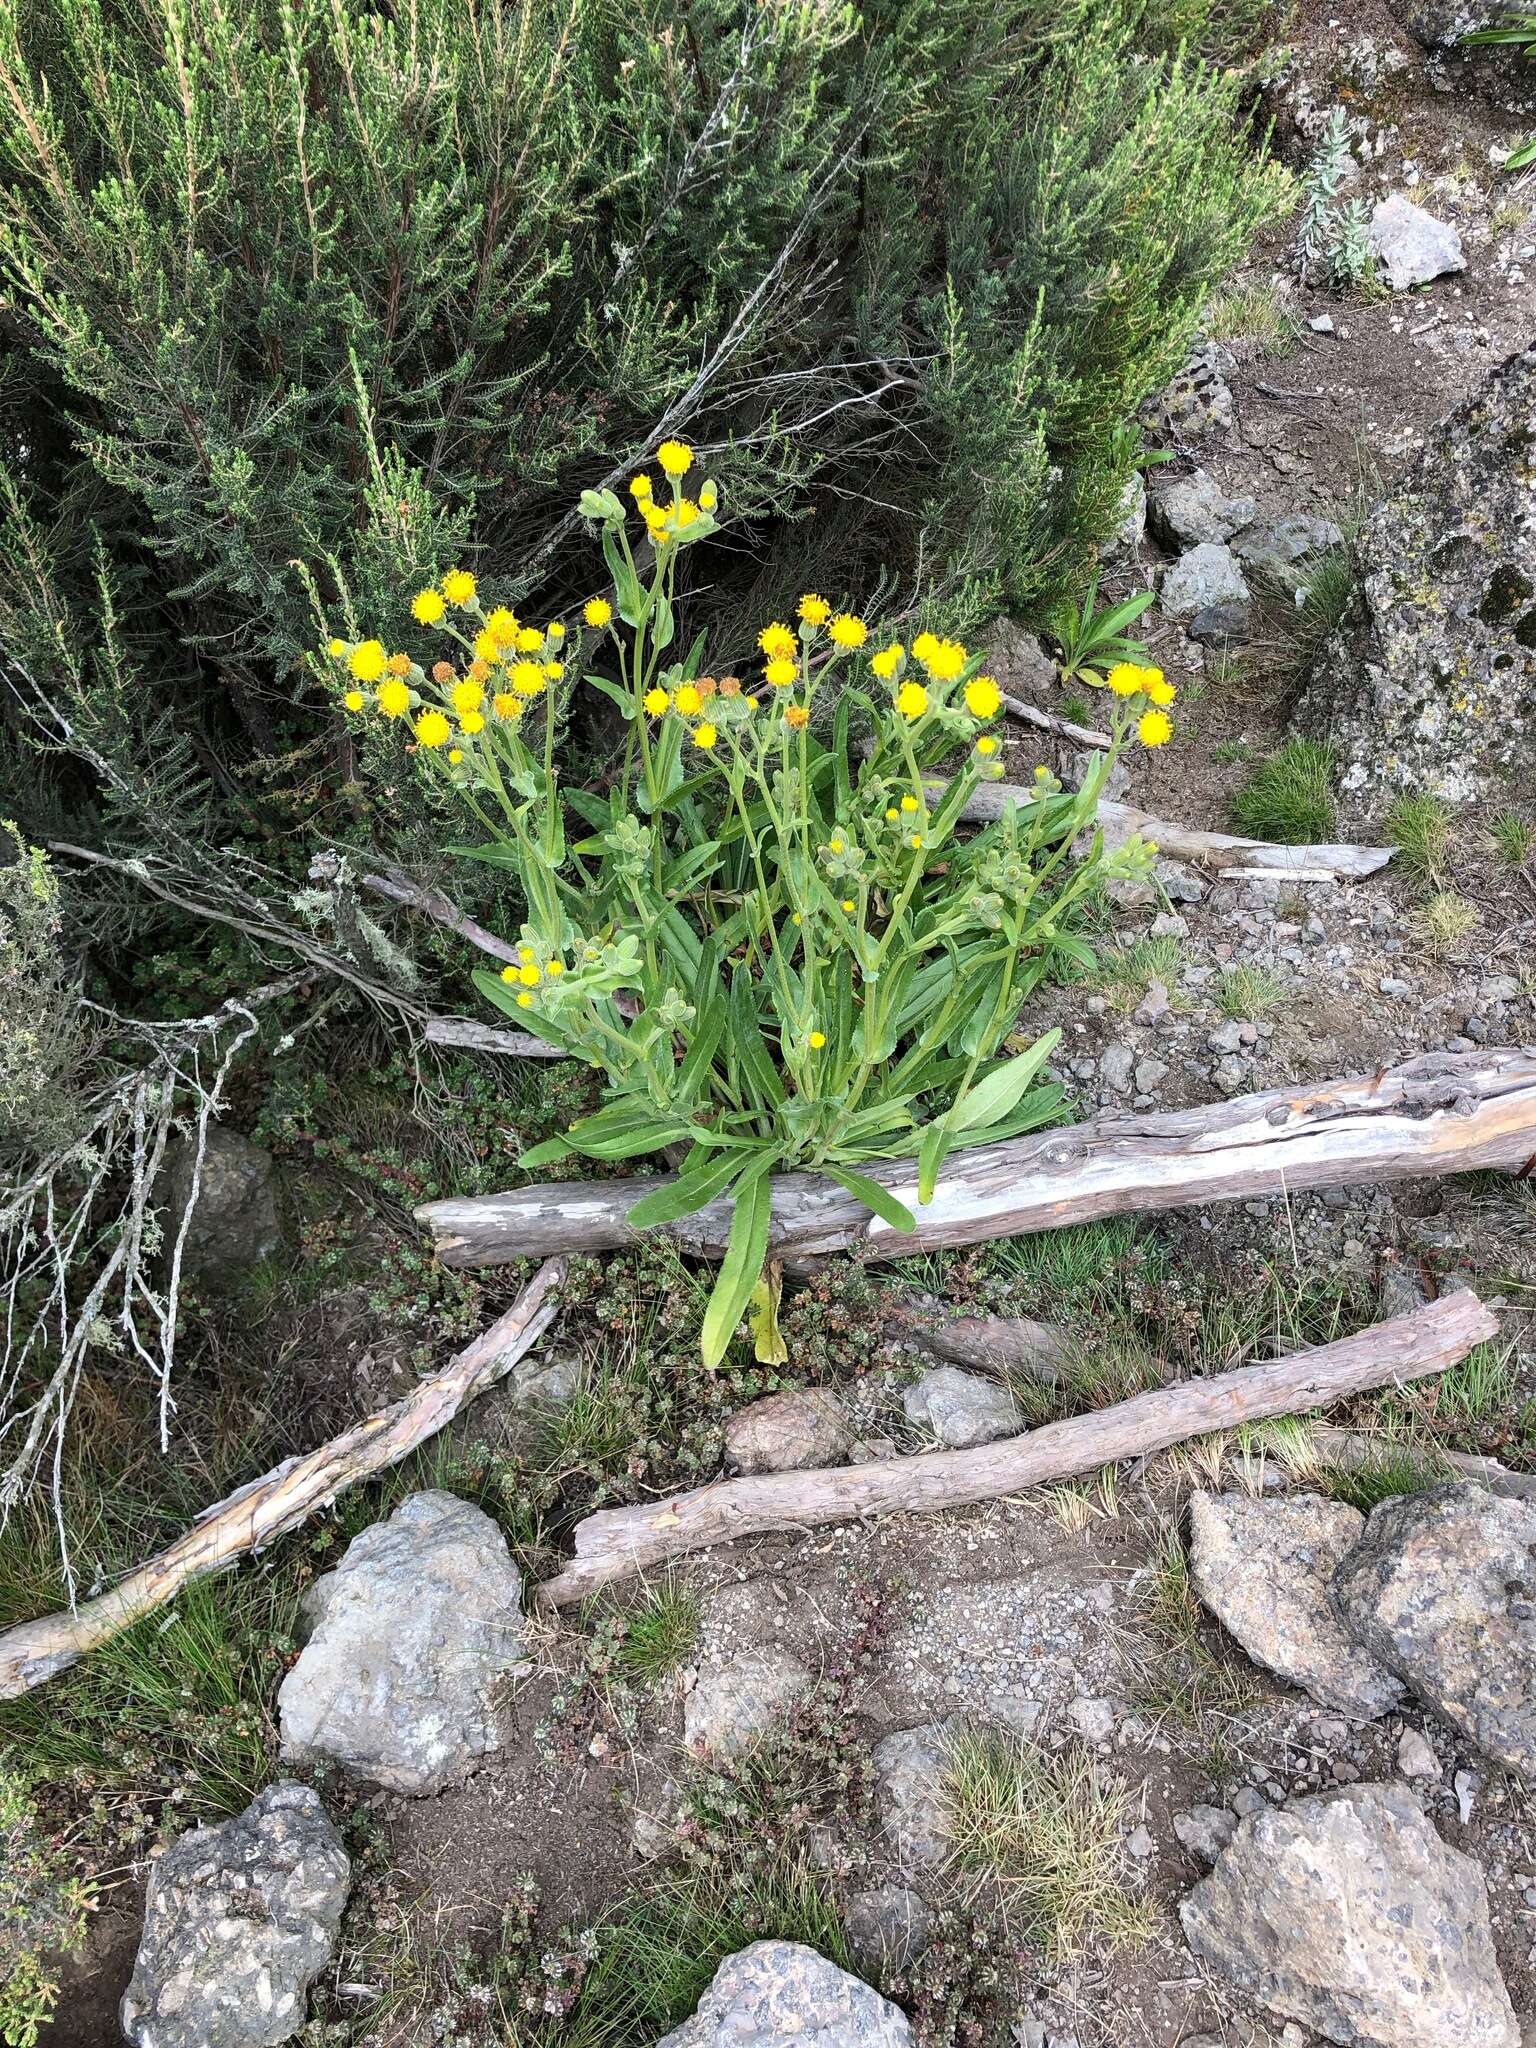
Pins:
x: 1181, y: 1678
x: 660, y: 1633
x: 1514, y: 838
x: 1324, y: 606
x: 1125, y: 976
x: 1042, y: 1836
x: 1420, y: 828
x: 1289, y: 798
x: 1479, y: 1389
x: 1078, y: 1503
x: 1447, y: 920
x: 1073, y: 1274
x: 1253, y: 312
x: 1249, y: 992
x: 1392, y: 1469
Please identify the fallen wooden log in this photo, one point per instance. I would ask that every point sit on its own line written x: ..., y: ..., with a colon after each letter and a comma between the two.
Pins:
x: 1051, y: 721
x: 616, y: 1542
x: 281, y: 1499
x: 464, y: 1034
x: 1349, y: 1450
x: 1439, y: 1113
x: 985, y: 1343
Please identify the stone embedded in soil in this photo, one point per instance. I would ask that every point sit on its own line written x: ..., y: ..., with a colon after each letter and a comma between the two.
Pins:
x: 1264, y: 1568
x: 910, y: 1769
x: 733, y: 1705
x: 887, y: 1928
x: 540, y: 1381
x: 1345, y: 1910
x: 1208, y: 575
x: 1286, y: 552
x: 238, y: 1922
x: 1198, y: 402
x: 961, y: 1408
x: 234, y: 1223
x: 1415, y: 1757
x: 1410, y: 246
x: 781, y: 1994
x: 1442, y: 1588
x: 789, y: 1432
x: 1206, y: 1830
x: 1019, y: 662
x: 406, y: 1639
x: 1430, y: 683
x: 1195, y: 509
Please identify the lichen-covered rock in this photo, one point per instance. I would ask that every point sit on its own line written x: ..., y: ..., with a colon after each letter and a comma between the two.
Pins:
x: 1286, y: 552
x: 790, y: 1432
x: 239, y: 1920
x: 887, y: 1928
x: 1346, y: 1911
x: 1198, y: 402
x: 407, y: 1637
x: 1431, y: 682
x: 1264, y: 1568
x: 1207, y: 576
x: 781, y: 1994
x: 1442, y: 1588
x: 1194, y: 509
x: 961, y: 1408
x: 234, y: 1223
x: 1503, y: 74
x: 910, y: 1769
x: 734, y: 1704
x: 1410, y: 246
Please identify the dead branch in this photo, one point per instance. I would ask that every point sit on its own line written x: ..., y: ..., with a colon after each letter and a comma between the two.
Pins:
x: 988, y: 1343
x: 281, y: 1499
x: 440, y: 908
x: 617, y: 1542
x: 465, y: 1035
x: 1439, y: 1113
x: 1048, y: 721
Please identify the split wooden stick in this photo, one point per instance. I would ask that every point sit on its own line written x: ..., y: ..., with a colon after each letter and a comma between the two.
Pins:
x: 1439, y: 1113
x: 281, y: 1499
x: 617, y: 1542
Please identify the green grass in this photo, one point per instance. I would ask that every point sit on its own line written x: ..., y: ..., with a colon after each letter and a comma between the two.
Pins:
x: 1514, y: 838
x: 1392, y: 1469
x: 1125, y: 976
x: 1420, y: 828
x: 1076, y: 1267
x: 1323, y: 609
x: 660, y: 1633
x: 1177, y: 1676
x: 1448, y: 921
x: 1041, y: 1836
x: 1289, y: 798
x: 1249, y: 992
x: 1478, y: 1389
x: 1252, y: 312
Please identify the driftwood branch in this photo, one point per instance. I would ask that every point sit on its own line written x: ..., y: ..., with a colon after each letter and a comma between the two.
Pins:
x: 1349, y: 1450
x: 441, y: 909
x: 464, y: 1034
x: 1050, y: 721
x: 1439, y: 1113
x: 281, y: 1499
x: 990, y: 1343
x: 616, y: 1542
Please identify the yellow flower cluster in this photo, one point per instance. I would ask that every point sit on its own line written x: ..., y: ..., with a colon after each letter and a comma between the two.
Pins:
x: 1154, y: 728
x: 529, y: 972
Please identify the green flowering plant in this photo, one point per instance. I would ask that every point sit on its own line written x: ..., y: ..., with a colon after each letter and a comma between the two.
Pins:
x: 780, y: 948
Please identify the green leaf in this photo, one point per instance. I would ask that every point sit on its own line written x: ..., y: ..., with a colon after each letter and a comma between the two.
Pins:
x: 742, y: 1265
x: 496, y: 853
x: 768, y: 1346
x: 995, y: 1096
x: 873, y: 1196
x: 545, y: 1154
x: 931, y: 1154
x: 684, y: 1196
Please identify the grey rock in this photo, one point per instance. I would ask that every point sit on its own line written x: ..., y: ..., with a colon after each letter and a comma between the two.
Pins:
x: 1285, y: 552
x: 1346, y: 1911
x: 1209, y: 574
x: 406, y: 1639
x: 1264, y: 1568
x: 238, y: 1922
x: 653, y: 1826
x: 1231, y: 1074
x: 1415, y: 1757
x: 1205, y: 1830
x: 1154, y: 1005
x: 234, y: 1223
x: 540, y: 1381
x: 887, y: 1928
x: 962, y: 1408
x: 1195, y: 509
x: 1501, y: 75
x: 781, y: 1994
x: 1018, y: 661
x: 734, y: 1704
x: 1150, y: 1074
x: 789, y: 1432
x: 1116, y: 1066
x: 1198, y: 403
x: 1410, y: 246
x: 1227, y: 624
x: 1442, y: 1588
x: 1430, y: 684
x: 1094, y: 1719
x: 910, y: 1768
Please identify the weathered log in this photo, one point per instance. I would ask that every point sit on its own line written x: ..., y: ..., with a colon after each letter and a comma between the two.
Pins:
x: 466, y: 1035
x: 1050, y: 721
x: 280, y: 1500
x: 616, y: 1542
x: 441, y: 908
x: 1349, y: 1450
x: 1438, y: 1113
x: 986, y: 1343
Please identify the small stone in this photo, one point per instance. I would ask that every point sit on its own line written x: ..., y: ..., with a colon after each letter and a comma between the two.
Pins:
x: 789, y: 1432
x: 1205, y: 1830
x: 1094, y: 1719
x: 1410, y: 246
x: 1207, y: 575
x: 1321, y: 323
x: 736, y: 1703
x: 962, y: 1408
x: 1018, y: 661
x: 1285, y: 552
x: 910, y: 1768
x: 540, y: 1381
x: 1154, y: 1005
x: 1226, y: 1037
x: 1227, y: 624
x: 781, y: 1994
x: 1231, y: 1075
x: 1199, y: 400
x: 1195, y: 509
x: 234, y: 1223
x: 653, y: 1827
x: 1116, y: 1068
x: 1149, y: 1074
x: 1415, y: 1758
x: 887, y: 1928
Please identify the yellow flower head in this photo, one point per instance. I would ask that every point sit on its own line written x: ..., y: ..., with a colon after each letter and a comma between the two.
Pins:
x: 916, y: 840
x: 459, y: 587
x: 837, y: 845
x: 885, y: 662
x: 528, y: 975
x: 432, y: 729
x: 354, y: 700
x: 597, y: 611
x: 709, y: 498
x: 525, y: 1001
x: 526, y: 677
x: 797, y: 717
x: 506, y: 706
x: 816, y: 1040
x: 688, y: 700
x: 983, y: 699
x: 1159, y: 689
x: 336, y: 649
x: 777, y: 641
x: 456, y: 754
x: 848, y: 905
x: 704, y: 736
x: 554, y: 670
x: 554, y: 632
x: 911, y: 700
x: 848, y: 631
x: 369, y: 660
x: 675, y: 457
x: 655, y: 518
x: 813, y: 609
x: 892, y: 814
x: 503, y: 625
x: 486, y: 645
x: 472, y: 722
x: 946, y: 660
x: 555, y: 969
x: 1154, y: 728
x: 909, y: 803
x: 399, y: 664
x: 924, y: 646
x: 641, y: 487
x: 509, y: 972
x: 528, y: 640
x: 682, y: 515
x: 1126, y: 679
x: 467, y: 696
x: 393, y: 697
x: 656, y: 701
x: 427, y: 607
x: 987, y: 746
x: 781, y: 672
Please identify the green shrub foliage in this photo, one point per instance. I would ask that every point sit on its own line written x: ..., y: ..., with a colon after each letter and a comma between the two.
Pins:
x: 374, y: 290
